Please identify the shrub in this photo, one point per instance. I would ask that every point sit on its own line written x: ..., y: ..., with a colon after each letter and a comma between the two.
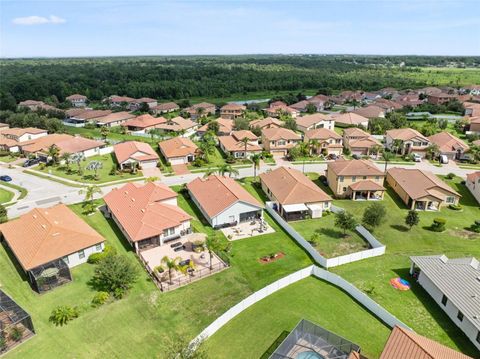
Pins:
x: 100, y: 298
x: 476, y: 226
x: 16, y: 333
x: 63, y: 314
x: 3, y: 343
x: 455, y: 207
x: 438, y: 224
x: 450, y: 176
x: 95, y: 258
x: 113, y: 272
x: 41, y: 166
x: 119, y: 293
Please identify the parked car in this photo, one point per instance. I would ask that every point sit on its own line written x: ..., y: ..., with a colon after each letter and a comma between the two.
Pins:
x: 443, y: 159
x: 465, y: 159
x: 355, y: 156
x: 417, y: 157
x: 31, y: 162
x: 5, y: 178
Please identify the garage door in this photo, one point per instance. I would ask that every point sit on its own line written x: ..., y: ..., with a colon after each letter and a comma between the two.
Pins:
x: 149, y: 164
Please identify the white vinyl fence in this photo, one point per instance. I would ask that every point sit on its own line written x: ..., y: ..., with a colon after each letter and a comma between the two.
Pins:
x: 312, y: 270
x: 377, y: 248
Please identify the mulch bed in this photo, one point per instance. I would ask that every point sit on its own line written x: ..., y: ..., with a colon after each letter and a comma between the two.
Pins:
x: 268, y: 259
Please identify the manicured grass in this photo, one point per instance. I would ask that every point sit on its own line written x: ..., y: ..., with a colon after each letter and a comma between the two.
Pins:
x: 8, y: 158
x: 23, y: 191
x: 415, y: 307
x: 88, y: 175
x: 5, y: 196
x: 253, y: 331
x: 112, y: 135
x: 332, y: 242
x: 216, y: 159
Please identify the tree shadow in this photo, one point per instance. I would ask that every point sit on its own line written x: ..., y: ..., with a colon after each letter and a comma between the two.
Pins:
x: 271, y: 349
x: 330, y: 232
x: 396, y: 198
x: 453, y: 332
x: 400, y: 227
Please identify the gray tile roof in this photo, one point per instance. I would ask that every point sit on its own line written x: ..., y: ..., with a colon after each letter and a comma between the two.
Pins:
x: 458, y: 279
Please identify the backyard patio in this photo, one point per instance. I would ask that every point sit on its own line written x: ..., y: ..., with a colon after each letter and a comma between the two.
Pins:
x: 247, y: 229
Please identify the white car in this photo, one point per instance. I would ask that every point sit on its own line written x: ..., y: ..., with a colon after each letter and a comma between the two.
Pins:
x: 417, y: 157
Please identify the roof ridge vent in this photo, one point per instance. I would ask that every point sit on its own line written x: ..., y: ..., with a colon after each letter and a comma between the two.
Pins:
x: 44, y: 226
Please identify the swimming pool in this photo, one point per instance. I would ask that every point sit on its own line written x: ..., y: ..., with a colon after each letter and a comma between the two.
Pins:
x: 309, y: 355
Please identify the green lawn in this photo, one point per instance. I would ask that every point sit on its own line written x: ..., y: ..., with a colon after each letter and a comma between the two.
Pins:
x: 104, y: 175
x: 252, y: 332
x: 332, y: 242
x: 8, y: 158
x: 217, y: 159
x: 112, y: 135
x: 5, y: 196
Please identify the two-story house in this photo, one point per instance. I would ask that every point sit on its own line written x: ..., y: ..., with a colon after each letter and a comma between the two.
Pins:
x: 279, y: 140
x: 324, y: 141
x: 405, y: 141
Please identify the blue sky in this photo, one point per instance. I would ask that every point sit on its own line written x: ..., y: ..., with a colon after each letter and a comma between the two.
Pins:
x: 107, y: 27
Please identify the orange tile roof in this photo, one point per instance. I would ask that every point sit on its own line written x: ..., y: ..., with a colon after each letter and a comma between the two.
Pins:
x: 167, y: 106
x: 91, y: 114
x: 273, y: 134
x: 290, y: 186
x: 115, y: 117
x: 46, y: 234
x: 355, y: 132
x: 38, y: 144
x: 240, y: 135
x: 418, y: 183
x: 225, y: 126
x: 366, y: 185
x: 178, y: 147
x: 310, y: 120
x: 403, y: 343
x: 354, y: 168
x: 266, y: 122
x: 473, y: 176
x: 232, y: 144
x: 217, y: 193
x: 405, y: 134
x: 15, y: 131
x: 371, y: 111
x: 65, y: 143
x: 349, y: 118
x: 141, y: 211
x: 363, y: 143
x: 135, y: 150
x: 144, y: 121
x: 177, y: 124
x: 76, y: 97
x: 233, y: 107
x: 322, y: 134
x: 448, y: 142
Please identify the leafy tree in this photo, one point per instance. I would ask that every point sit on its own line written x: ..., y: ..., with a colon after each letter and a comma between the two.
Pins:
x: 104, y: 131
x: 310, y: 108
x: 432, y: 151
x: 374, y: 215
x: 170, y: 264
x: 412, y: 218
x: 94, y: 166
x: 7, y: 102
x: 291, y: 124
x: 345, y: 221
x: 65, y: 157
x: 241, y: 123
x: 63, y: 314
x: 214, y: 127
x: 3, y: 214
x: 115, y: 272
x: 397, y: 119
x: 53, y: 152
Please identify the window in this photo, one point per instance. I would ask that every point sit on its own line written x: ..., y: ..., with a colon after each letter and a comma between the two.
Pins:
x: 81, y: 254
x: 65, y: 259
x: 460, y: 316
x: 444, y: 300
x: 450, y: 199
x: 364, y: 177
x: 354, y: 178
x: 98, y: 247
x: 169, y: 231
x: 377, y: 178
x: 344, y: 189
x: 340, y: 179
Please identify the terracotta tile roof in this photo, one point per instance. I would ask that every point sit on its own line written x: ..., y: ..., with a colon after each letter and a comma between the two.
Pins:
x: 178, y: 147
x: 91, y: 114
x: 403, y: 344
x: 310, y: 120
x: 405, y: 134
x: 278, y: 104
x: 232, y: 144
x: 349, y: 118
x: 266, y: 122
x: 273, y: 134
x: 322, y: 134
x: 115, y: 117
x: 217, y: 193
x: 387, y: 104
x: 240, y: 135
x: 177, y: 124
x: 115, y: 98
x: 139, y: 151
x: 33, y: 146
x: 417, y: 183
x: 366, y: 185
x: 31, y: 103
x: 144, y: 100
x: 472, y: 177
x: 7, y: 142
x: 72, y: 112
x: 301, y: 105
x: 233, y: 107
x: 354, y: 168
x: 363, y: 143
x: 290, y: 186
x: 18, y: 132
x: 167, y: 106
x: 355, y: 132
x: 225, y: 126
x: 475, y: 120
x: 371, y: 111
x: 205, y: 105
x: 144, y: 121
x: 140, y: 210
x: 65, y: 143
x: 448, y: 142
x: 76, y: 97
x: 46, y: 234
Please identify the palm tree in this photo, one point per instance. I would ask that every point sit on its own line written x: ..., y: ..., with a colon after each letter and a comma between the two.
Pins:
x: 200, y: 111
x: 397, y: 145
x: 90, y: 192
x: 256, y: 164
x: 314, y: 145
x: 376, y: 149
x: 171, y: 264
x: 77, y: 158
x: 94, y: 166
x: 304, y: 150
x: 226, y: 168
x: 53, y: 152
x: 66, y: 158
x: 387, y: 157
x: 213, y: 244
x: 245, y: 141
x: 354, y: 103
x: 210, y: 171
x: 433, y: 150
x: 104, y: 132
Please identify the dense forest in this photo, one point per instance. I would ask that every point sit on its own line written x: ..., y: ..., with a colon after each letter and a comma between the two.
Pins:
x: 173, y: 78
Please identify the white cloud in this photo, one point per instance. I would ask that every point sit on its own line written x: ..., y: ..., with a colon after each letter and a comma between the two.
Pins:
x: 38, y: 20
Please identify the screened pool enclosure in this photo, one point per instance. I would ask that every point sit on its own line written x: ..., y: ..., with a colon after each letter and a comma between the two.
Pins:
x: 49, y: 275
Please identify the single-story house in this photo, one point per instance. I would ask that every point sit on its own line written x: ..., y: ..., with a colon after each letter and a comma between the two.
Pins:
x: 370, y: 111
x: 114, y: 119
x: 225, y: 127
x: 301, y: 106
x: 46, y: 242
x: 77, y: 100
x: 403, y: 343
x: 475, y: 124
x: 131, y: 152
x: 23, y: 134
x: 223, y: 202
x: 184, y: 126
x: 454, y: 285
x: 138, y: 102
x: 293, y: 194
x: 116, y: 101
x: 143, y: 123
x: 279, y: 140
x: 317, y: 120
x: 449, y: 145
x: 268, y: 122
x: 359, y: 142
x: 33, y: 105
x: 178, y: 150
x: 473, y: 184
x: 201, y: 109
x: 421, y: 190
x: 406, y: 141
x: 472, y: 109
x: 165, y: 108
x: 277, y: 110
x: 326, y: 141
x: 234, y: 145
x: 356, y: 179
x: 232, y: 111
x: 349, y: 119
x: 78, y: 117
x: 147, y: 214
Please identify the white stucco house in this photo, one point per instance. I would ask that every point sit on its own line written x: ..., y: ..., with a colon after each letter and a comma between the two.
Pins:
x: 473, y: 184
